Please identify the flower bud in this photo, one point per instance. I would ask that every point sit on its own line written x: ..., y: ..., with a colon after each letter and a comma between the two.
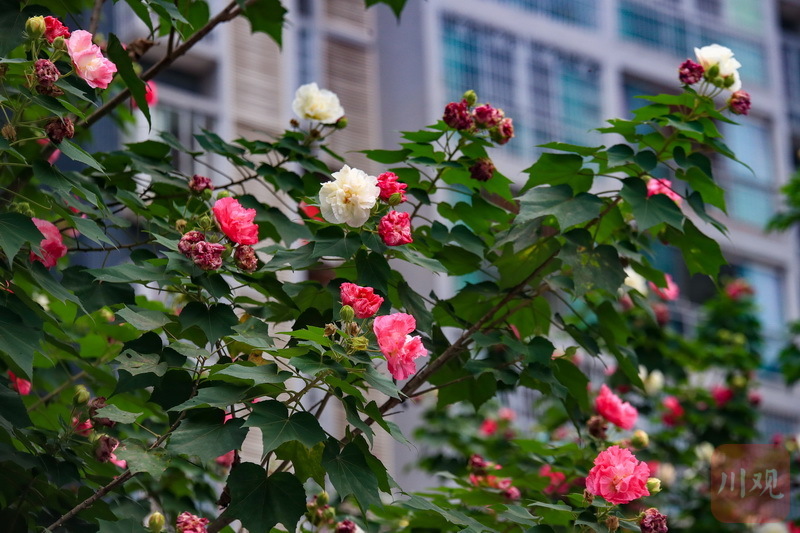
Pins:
x: 81, y: 395
x: 653, y: 485
x: 739, y: 381
x: 341, y: 123
x: 59, y: 43
x: 57, y: 129
x: 482, y: 170
x: 23, y: 208
x: 107, y: 314
x: 323, y: 498
x: 181, y: 224
x: 155, y: 522
x: 640, y: 439
x: 346, y: 526
x: 712, y: 72
x: 206, y: 223
x: 35, y: 27
x: 597, y: 427
x: 612, y: 523
x: 200, y: 183
x: 9, y: 132
x: 359, y: 343
x: 294, y: 123
x: 346, y: 313
x: 470, y: 97
x: 223, y: 194
x: 395, y: 199
x: 352, y: 329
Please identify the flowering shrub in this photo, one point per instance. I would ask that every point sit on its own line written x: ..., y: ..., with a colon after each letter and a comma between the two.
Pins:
x: 132, y: 384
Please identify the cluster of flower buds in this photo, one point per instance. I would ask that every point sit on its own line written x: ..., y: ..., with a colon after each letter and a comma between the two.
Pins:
x: 479, y: 476
x: 719, y: 69
x: 466, y: 116
x: 200, y: 183
x: 319, y: 513
x: 209, y: 255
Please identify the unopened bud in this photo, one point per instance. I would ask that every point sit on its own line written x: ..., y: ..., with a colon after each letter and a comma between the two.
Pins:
x: 81, y: 395
x: 323, y: 498
x: 352, y: 329
x: 739, y: 381
x: 395, y: 199
x: 314, y: 133
x: 223, y: 194
x: 206, y: 223
x: 59, y: 43
x: 653, y: 485
x: 640, y: 439
x: 728, y: 81
x: 107, y: 314
x: 35, y: 27
x: 612, y: 523
x: 712, y: 72
x: 9, y: 132
x: 341, y: 123
x: 471, y: 97
x: 23, y: 208
x: 330, y: 330
x: 294, y: 123
x: 597, y: 427
x: 346, y: 314
x: 329, y: 514
x: 155, y: 523
x: 181, y: 224
x: 359, y: 343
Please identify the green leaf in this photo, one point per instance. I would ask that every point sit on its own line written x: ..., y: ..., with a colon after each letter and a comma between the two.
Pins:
x: 395, y: 5
x: 592, y: 268
x: 711, y: 192
x: 206, y: 436
x: 350, y: 474
x: 76, y: 153
x: 257, y: 375
x: 144, y: 319
x: 574, y: 380
x: 650, y: 211
x: 253, y: 332
x: 559, y: 202
x: 277, y: 427
x: 216, y: 395
x: 45, y: 280
x: 373, y: 270
x: 140, y: 459
x: 265, y: 16
x: 701, y: 253
x: 559, y: 169
x: 307, y: 462
x: 20, y: 342
x: 12, y: 411
x: 387, y: 156
x: 416, y: 306
x: 15, y: 231
x: 91, y: 230
x: 122, y: 60
x: 215, y: 321
x: 112, y: 412
x: 262, y: 502
x: 136, y: 363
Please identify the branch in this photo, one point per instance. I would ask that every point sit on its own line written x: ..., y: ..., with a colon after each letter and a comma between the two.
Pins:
x: 230, y: 12
x: 117, y: 481
x: 94, y: 21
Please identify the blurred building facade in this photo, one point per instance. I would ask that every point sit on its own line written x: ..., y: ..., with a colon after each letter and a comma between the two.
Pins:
x: 558, y: 67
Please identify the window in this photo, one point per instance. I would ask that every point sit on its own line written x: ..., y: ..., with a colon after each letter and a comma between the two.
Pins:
x: 580, y: 12
x: 750, y: 194
x: 736, y: 24
x: 550, y: 94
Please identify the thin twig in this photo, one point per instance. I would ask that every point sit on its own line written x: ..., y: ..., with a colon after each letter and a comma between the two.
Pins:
x: 94, y: 22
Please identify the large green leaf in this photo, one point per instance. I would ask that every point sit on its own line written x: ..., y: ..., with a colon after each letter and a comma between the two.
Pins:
x: 137, y: 363
x: 701, y: 253
x: 651, y: 210
x: 206, y: 436
x: 560, y: 169
x: 277, y: 427
x: 19, y: 341
x: 144, y: 319
x: 261, y: 502
x: 122, y: 60
x: 307, y: 462
x: 265, y: 16
x: 373, y: 270
x: 350, y: 474
x: 257, y: 375
x: 141, y: 459
x: 76, y: 153
x: 559, y: 201
x: 215, y: 321
x: 15, y: 231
